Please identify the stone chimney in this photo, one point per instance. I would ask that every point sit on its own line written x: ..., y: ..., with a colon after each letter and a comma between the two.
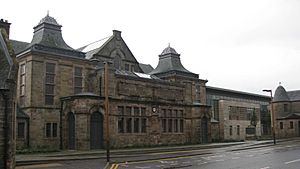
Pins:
x: 5, y: 25
x: 117, y: 34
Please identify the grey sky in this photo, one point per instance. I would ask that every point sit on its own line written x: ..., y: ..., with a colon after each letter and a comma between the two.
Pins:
x: 235, y: 44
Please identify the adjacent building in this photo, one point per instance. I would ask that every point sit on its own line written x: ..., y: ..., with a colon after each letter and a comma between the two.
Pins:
x: 286, y: 106
x: 61, y: 95
x: 8, y: 79
x: 237, y: 115
x: 61, y: 98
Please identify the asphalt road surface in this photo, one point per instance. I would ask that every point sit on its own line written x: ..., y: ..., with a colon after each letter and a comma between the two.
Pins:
x: 281, y: 156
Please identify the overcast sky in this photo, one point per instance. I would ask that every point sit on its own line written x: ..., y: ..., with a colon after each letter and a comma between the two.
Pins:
x: 235, y: 44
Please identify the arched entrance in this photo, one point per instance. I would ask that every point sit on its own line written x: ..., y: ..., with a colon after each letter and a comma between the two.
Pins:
x: 204, y: 130
x: 71, y: 131
x: 96, y: 131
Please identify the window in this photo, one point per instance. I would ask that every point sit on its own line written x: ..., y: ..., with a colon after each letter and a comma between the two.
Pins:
x: 121, y: 119
x: 51, y: 130
x: 127, y: 67
x: 291, y: 124
x: 181, y: 126
x: 54, y: 129
x: 281, y: 125
x: 77, y: 80
x: 170, y: 124
x: 133, y: 122
x: 144, y: 120
x: 216, y: 109
x: 285, y: 108
x: 21, y: 130
x: 48, y: 130
x: 22, y: 83
x: 230, y: 130
x: 132, y: 68
x: 238, y: 130
x: 49, y: 83
x: 171, y: 121
x: 129, y: 125
x: 198, y: 98
x: 164, y: 125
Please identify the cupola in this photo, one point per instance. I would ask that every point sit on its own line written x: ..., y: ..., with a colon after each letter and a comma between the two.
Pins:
x: 170, y: 64
x: 48, y: 33
x: 281, y: 95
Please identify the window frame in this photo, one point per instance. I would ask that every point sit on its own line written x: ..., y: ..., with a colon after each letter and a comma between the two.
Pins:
x: 49, y: 97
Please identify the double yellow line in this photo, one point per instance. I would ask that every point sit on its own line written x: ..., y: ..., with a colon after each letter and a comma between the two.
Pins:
x: 114, y: 166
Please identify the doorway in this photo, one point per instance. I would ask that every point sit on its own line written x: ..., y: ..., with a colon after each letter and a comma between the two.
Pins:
x: 71, y: 131
x: 96, y: 131
x: 204, y: 130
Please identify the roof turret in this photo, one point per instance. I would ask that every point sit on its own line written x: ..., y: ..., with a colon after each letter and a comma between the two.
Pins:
x: 169, y: 63
x: 281, y: 95
x: 169, y: 50
x: 48, y: 33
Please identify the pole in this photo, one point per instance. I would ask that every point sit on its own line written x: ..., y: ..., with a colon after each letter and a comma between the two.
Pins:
x: 107, y: 111
x: 273, y: 118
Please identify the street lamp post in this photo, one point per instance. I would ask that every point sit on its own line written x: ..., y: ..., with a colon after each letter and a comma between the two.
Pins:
x: 106, y: 111
x: 272, y: 116
x: 106, y: 104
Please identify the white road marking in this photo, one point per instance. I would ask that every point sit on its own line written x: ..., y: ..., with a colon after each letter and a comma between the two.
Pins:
x: 202, y: 163
x: 142, y: 167
x: 186, y: 162
x: 288, y: 162
x: 265, y: 167
x: 220, y: 160
x: 234, y: 158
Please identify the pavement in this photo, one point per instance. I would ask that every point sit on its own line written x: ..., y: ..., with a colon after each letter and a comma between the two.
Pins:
x: 67, y: 155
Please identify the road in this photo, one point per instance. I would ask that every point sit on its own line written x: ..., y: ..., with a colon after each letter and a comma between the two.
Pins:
x: 285, y: 155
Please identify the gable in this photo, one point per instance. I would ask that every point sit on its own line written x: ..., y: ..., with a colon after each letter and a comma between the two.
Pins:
x: 6, y: 62
x: 116, y: 50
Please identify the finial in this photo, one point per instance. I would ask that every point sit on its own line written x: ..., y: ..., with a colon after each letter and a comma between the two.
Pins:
x: 279, y: 83
x: 169, y: 45
x: 47, y: 12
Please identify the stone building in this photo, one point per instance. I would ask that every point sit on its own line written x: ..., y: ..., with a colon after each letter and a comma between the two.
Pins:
x: 7, y: 99
x: 237, y: 115
x: 286, y: 105
x: 61, y: 94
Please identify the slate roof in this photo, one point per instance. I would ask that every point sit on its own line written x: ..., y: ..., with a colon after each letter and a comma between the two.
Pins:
x: 47, y: 38
x: 94, y: 47
x: 86, y: 94
x: 19, y: 46
x: 146, y: 68
x: 48, y: 33
x: 169, y: 62
x: 280, y: 95
x: 169, y: 50
x: 135, y: 74
x: 6, y: 63
x: 21, y: 113
x: 291, y: 116
x: 294, y: 95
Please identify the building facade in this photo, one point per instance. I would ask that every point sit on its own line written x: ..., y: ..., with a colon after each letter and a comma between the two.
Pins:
x: 286, y: 106
x: 238, y: 116
x: 61, y: 94
x: 8, y: 79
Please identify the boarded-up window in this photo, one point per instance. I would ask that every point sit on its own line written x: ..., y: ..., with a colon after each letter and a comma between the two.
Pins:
x: 49, y: 83
x: 21, y: 130
x: 78, y: 80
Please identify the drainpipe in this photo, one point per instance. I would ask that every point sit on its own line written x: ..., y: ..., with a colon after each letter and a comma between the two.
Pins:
x: 5, y: 98
x: 60, y: 125
x: 28, y: 130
